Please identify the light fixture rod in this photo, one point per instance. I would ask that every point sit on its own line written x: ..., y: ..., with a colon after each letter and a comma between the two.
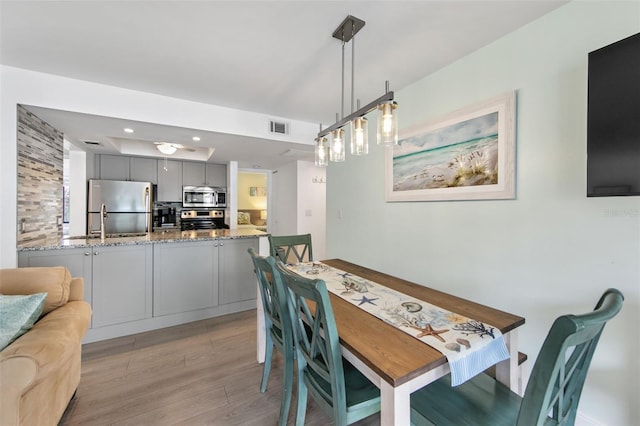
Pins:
x: 342, y: 88
x: 353, y: 67
x: 359, y: 113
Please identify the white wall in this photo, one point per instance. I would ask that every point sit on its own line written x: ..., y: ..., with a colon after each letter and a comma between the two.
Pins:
x: 20, y: 86
x: 284, y: 201
x: 312, y: 206
x: 549, y: 252
x: 78, y: 188
x: 299, y: 204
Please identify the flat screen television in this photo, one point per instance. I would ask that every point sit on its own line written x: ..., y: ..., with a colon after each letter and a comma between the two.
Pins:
x: 613, y: 119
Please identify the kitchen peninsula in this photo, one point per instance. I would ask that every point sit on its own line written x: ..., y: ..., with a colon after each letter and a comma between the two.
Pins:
x: 141, y: 283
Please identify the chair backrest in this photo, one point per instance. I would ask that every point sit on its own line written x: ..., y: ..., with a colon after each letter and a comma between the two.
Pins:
x: 560, y: 370
x: 291, y: 248
x: 274, y: 301
x: 317, y: 344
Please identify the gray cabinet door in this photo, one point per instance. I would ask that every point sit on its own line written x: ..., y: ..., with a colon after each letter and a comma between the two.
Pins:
x: 216, y: 175
x: 144, y: 169
x: 169, y: 180
x: 185, y: 277
x: 77, y: 261
x: 237, y: 280
x: 192, y: 173
x: 114, y: 167
x: 122, y: 284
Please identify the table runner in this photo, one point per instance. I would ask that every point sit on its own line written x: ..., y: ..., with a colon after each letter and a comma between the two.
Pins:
x: 469, y: 345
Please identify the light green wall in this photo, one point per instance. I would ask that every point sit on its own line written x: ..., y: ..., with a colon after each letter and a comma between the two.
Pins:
x: 549, y: 252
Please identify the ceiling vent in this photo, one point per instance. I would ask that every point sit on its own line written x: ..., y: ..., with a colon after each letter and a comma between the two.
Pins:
x: 92, y: 143
x: 278, y: 127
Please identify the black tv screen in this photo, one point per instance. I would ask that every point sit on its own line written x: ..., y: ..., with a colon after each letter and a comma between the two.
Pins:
x: 613, y: 120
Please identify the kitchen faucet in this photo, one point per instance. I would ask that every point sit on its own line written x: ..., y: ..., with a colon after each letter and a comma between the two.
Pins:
x: 103, y: 216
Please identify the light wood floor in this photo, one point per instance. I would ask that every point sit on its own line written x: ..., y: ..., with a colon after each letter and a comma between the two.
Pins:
x: 202, y: 373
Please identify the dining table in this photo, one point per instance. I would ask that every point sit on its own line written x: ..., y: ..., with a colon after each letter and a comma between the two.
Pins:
x: 396, y: 362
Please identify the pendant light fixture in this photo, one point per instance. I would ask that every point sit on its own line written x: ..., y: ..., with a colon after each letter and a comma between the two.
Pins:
x: 359, y: 135
x: 387, y: 133
x: 322, y: 150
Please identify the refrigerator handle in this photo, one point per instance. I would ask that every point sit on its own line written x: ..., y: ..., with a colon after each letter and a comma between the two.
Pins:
x: 147, y: 203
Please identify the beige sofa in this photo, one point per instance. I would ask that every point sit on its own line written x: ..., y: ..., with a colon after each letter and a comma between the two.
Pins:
x: 40, y: 370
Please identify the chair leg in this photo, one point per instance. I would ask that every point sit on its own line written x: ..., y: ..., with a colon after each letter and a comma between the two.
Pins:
x: 266, y: 368
x: 286, y: 391
x: 301, y: 409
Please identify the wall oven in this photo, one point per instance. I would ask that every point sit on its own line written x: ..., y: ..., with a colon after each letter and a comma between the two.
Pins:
x: 204, y: 197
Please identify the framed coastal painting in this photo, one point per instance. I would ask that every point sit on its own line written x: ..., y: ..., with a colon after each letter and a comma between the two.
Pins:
x: 466, y: 155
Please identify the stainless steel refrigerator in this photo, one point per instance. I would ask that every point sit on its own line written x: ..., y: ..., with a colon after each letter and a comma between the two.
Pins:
x: 128, y: 206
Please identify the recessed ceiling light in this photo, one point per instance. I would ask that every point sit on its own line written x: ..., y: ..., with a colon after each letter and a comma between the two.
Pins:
x: 196, y: 138
x: 128, y: 130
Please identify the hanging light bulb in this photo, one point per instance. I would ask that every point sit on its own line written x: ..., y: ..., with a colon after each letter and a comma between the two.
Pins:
x: 359, y: 136
x: 336, y: 152
x: 322, y: 152
x: 388, y: 123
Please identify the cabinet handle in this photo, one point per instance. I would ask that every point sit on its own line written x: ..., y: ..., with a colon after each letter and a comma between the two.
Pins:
x: 221, y: 244
x: 95, y: 253
x: 86, y: 253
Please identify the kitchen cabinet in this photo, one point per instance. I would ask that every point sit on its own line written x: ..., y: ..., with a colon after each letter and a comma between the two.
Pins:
x: 122, y: 284
x: 204, y: 174
x: 122, y: 167
x: 192, y: 173
x: 186, y: 277
x: 143, y: 169
x: 215, y: 174
x: 77, y: 261
x: 237, y: 278
x: 118, y: 280
x: 192, y: 276
x: 169, y: 180
x: 114, y: 167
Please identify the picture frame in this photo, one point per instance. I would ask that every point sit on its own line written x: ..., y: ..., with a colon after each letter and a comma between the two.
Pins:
x: 468, y: 154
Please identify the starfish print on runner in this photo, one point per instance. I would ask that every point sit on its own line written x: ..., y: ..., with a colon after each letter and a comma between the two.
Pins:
x: 429, y: 331
x: 364, y: 300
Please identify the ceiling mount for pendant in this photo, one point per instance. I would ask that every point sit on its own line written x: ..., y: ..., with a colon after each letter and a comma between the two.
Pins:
x: 348, y: 28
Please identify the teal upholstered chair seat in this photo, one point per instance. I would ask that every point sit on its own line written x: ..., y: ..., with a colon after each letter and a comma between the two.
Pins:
x: 553, y: 390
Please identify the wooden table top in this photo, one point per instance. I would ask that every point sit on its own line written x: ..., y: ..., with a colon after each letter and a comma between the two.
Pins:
x: 394, y: 355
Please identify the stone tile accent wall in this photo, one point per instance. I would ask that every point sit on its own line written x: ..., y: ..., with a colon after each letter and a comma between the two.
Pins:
x: 40, y: 170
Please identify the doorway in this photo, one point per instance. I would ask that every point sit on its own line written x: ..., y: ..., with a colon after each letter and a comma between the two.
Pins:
x: 254, y: 188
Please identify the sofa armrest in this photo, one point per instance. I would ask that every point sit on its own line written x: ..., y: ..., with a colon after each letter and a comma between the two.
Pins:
x: 76, y: 289
x: 17, y: 373
x: 40, y: 370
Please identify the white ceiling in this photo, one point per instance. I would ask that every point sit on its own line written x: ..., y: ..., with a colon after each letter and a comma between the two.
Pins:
x: 271, y: 57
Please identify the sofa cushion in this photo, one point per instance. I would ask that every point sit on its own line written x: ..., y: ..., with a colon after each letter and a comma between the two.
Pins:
x: 55, y: 281
x: 19, y: 313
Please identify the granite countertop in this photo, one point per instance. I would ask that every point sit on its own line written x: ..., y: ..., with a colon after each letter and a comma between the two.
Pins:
x: 152, y: 238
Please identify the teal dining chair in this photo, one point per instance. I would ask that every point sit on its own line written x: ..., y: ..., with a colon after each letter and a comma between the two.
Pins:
x: 291, y: 248
x: 553, y: 390
x: 335, y: 385
x: 278, y: 330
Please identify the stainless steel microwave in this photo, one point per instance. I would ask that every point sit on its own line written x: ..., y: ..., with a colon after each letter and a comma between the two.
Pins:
x: 203, y: 196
